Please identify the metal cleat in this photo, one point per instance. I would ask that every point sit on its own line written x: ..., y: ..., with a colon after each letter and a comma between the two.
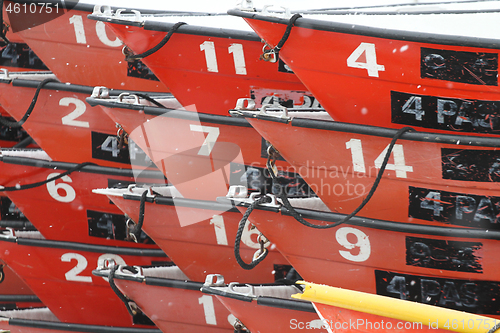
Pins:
x: 250, y: 104
x: 286, y: 14
x: 100, y: 92
x: 135, y: 97
x: 250, y: 293
x: 218, y: 278
x: 237, y: 191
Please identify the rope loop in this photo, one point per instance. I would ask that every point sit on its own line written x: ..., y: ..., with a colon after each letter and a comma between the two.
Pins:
x: 262, y: 253
x: 271, y: 168
x: 272, y: 54
x: 131, y: 57
x: 135, y: 230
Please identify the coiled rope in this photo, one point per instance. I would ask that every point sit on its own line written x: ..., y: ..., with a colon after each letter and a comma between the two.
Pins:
x: 299, y: 218
x: 239, y: 233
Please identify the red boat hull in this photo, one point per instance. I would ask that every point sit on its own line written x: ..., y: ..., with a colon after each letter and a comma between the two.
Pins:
x: 60, y: 274
x: 64, y: 125
x: 391, y: 78
x: 215, y: 69
x: 79, y: 50
x: 425, y: 182
x: 66, y: 209
x: 355, y: 256
x: 197, y: 172
x: 186, y: 310
x: 200, y: 240
x: 261, y: 318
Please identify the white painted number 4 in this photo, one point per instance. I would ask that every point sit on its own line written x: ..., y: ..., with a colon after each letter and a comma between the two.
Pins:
x: 368, y: 62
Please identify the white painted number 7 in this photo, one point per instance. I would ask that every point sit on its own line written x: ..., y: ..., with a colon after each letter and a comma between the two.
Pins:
x: 212, y: 135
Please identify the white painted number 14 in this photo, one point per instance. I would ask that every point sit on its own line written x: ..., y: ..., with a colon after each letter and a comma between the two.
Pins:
x: 358, y: 160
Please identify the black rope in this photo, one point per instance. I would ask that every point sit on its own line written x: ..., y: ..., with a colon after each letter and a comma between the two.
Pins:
x: 150, y: 99
x: 239, y: 233
x: 24, y: 142
x: 289, y: 26
x: 33, y: 185
x: 157, y: 47
x: 494, y: 329
x: 16, y: 124
x: 299, y: 218
x: 135, y: 231
x: 121, y: 296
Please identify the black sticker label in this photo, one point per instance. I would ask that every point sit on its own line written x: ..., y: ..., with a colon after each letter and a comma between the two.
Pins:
x: 9, y: 211
x: 284, y: 68
x: 21, y: 56
x: 139, y: 69
x: 464, y: 295
x: 459, y: 66
x: 445, y: 113
x: 257, y: 179
x: 443, y: 254
x: 471, y: 165
x: 107, y: 147
x: 12, y: 134
x: 454, y: 208
x: 111, y: 226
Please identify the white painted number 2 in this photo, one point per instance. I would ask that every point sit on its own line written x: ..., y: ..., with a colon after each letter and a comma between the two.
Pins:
x: 358, y: 160
x: 370, y: 59
x: 80, y: 109
x: 362, y: 243
x: 212, y: 135
x: 74, y: 273
x: 69, y: 193
x: 211, y: 58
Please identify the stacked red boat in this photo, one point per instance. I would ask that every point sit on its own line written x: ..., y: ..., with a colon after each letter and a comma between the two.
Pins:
x: 180, y: 150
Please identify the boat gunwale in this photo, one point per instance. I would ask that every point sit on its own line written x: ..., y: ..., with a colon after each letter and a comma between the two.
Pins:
x: 93, y: 168
x: 275, y: 302
x: 76, y: 88
x: 63, y: 326
x: 385, y: 132
x: 361, y: 30
x: 184, y: 202
x: 148, y: 23
x: 403, y: 227
x: 54, y: 244
x: 171, y: 113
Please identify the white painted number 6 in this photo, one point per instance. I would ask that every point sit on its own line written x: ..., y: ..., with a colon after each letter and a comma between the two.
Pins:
x: 362, y: 242
x: 53, y: 188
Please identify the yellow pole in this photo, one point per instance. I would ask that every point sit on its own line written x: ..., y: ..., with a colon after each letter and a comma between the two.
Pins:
x: 447, y: 319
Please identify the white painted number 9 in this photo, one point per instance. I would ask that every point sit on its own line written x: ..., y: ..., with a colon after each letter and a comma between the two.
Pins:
x: 362, y: 242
